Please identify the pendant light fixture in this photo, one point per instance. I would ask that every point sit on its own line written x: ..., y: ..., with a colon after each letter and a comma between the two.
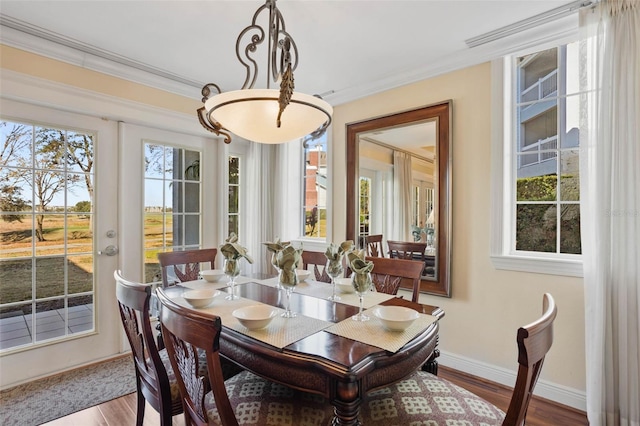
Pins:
x: 265, y: 115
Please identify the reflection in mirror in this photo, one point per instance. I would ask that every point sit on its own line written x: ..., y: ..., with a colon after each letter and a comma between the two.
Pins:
x: 398, y: 176
x: 397, y: 168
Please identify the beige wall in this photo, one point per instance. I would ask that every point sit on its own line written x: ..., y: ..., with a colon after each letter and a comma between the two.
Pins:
x: 38, y: 66
x: 487, y: 305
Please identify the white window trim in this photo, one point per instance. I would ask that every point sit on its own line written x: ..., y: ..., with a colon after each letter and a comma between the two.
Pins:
x: 501, y: 254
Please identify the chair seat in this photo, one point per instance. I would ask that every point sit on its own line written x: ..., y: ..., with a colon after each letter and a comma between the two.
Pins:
x: 257, y: 401
x: 425, y: 399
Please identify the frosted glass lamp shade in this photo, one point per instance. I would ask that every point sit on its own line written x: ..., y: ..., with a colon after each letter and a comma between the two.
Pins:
x: 252, y: 114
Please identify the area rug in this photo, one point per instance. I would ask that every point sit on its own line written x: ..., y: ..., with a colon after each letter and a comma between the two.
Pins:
x: 53, y: 397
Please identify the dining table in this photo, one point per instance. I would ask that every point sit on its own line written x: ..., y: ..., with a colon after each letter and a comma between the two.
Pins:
x: 321, y: 350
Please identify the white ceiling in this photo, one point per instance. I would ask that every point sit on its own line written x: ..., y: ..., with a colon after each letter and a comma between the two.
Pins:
x: 346, y: 48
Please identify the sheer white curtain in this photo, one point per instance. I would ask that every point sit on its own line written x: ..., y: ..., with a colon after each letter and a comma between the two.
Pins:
x: 610, y: 209
x: 401, y: 196
x: 261, y: 186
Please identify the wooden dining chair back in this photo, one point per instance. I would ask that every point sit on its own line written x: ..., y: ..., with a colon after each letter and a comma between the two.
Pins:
x: 318, y: 261
x: 372, y: 244
x: 534, y: 341
x: 181, y: 266
x: 388, y: 275
x: 209, y: 400
x: 407, y: 250
x: 153, y: 382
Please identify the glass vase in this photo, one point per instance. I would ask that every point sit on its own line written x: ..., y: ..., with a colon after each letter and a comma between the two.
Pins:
x: 362, y: 284
x: 231, y: 270
x: 288, y: 280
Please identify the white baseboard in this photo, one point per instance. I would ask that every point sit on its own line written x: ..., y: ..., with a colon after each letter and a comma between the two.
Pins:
x: 545, y: 389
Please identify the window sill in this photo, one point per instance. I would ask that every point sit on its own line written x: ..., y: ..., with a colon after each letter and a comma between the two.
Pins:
x: 567, y: 267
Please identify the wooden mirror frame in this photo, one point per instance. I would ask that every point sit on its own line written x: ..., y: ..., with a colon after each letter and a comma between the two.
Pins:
x: 441, y: 112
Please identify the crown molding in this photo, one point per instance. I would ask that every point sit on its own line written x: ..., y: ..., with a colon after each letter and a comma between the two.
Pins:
x: 36, y: 40
x: 34, y: 90
x: 556, y: 32
x: 17, y: 34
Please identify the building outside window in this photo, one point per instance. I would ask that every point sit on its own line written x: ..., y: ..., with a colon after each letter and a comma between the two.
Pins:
x: 315, y: 188
x: 546, y: 152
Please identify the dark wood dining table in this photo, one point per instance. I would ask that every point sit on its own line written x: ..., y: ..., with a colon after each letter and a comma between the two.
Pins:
x: 340, y: 369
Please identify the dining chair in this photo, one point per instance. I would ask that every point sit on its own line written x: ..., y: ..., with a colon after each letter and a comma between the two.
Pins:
x: 251, y: 398
x: 372, y: 245
x: 318, y: 260
x: 387, y: 275
x: 155, y: 381
x: 407, y: 250
x: 186, y: 264
x: 423, y: 397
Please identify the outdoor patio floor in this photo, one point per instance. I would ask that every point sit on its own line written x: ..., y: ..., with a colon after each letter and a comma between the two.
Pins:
x: 17, y: 330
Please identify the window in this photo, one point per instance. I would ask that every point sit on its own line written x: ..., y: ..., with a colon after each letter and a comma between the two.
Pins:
x: 171, y: 203
x: 547, y: 186
x: 541, y: 153
x: 364, y: 215
x: 422, y: 215
x: 234, y: 195
x: 47, y: 219
x: 315, y: 188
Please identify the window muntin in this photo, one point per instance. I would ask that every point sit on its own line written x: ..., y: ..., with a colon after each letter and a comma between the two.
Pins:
x: 46, y: 223
x: 546, y: 214
x: 172, y: 208
x: 315, y: 189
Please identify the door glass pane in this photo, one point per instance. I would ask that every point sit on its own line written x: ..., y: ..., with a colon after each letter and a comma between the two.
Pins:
x: 172, y: 192
x: 46, y: 193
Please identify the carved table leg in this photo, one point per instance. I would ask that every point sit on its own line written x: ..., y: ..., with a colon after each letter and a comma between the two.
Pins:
x: 346, y: 405
x: 431, y: 366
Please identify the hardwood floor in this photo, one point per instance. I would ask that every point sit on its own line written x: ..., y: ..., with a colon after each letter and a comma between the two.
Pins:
x: 542, y: 412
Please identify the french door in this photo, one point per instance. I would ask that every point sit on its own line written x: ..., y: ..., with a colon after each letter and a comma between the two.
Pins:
x: 59, y: 241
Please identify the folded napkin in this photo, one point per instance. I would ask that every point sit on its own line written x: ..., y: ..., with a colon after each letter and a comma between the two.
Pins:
x: 232, y: 250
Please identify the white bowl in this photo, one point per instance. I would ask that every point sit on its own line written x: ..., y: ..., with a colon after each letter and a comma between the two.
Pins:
x: 302, y: 274
x: 200, y: 298
x: 395, y: 318
x: 345, y: 285
x: 255, y: 317
x: 212, y: 275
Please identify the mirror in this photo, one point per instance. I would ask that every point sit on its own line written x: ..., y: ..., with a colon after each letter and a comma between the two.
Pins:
x: 374, y: 141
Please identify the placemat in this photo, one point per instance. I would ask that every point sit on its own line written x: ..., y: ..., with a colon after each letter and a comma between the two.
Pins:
x: 280, y: 333
x: 372, y: 333
x: 323, y: 290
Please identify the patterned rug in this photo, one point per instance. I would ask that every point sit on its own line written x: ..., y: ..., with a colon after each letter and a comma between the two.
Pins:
x: 53, y: 397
